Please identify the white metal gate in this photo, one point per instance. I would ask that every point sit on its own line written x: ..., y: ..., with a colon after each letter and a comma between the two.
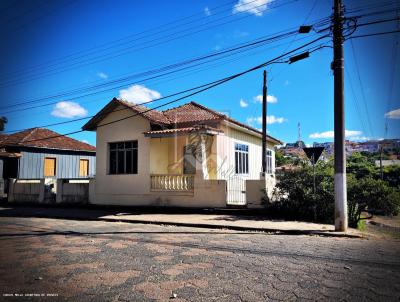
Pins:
x: 236, y: 191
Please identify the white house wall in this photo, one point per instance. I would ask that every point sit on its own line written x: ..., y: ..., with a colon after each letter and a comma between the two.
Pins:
x: 226, y: 153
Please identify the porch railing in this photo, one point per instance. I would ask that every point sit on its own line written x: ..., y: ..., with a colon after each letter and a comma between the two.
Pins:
x: 172, y: 182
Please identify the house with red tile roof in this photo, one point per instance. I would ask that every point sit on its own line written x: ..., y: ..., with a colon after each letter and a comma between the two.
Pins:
x: 189, y: 156
x: 39, y: 153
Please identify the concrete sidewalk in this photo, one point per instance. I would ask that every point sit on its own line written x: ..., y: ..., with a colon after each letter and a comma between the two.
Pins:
x: 234, y: 220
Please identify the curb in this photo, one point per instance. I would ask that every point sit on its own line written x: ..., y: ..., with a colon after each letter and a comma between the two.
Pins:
x: 194, y: 225
x: 235, y: 228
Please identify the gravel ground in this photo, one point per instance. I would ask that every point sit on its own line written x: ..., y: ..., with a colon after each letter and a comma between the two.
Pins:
x: 69, y: 260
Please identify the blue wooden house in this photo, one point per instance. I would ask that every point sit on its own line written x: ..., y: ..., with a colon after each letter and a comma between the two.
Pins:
x: 41, y: 153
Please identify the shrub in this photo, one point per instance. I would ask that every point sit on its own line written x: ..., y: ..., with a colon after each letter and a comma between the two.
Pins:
x: 293, y: 197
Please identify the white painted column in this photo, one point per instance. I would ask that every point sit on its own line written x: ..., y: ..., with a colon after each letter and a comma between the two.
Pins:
x: 204, y: 157
x: 11, y: 186
x: 341, y: 221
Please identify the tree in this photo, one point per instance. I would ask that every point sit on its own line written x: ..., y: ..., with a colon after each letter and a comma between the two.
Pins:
x: 294, y: 198
x: 280, y: 159
x: 3, y: 121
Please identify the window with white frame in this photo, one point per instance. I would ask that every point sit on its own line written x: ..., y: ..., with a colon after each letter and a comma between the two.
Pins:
x: 241, y: 159
x: 269, y: 161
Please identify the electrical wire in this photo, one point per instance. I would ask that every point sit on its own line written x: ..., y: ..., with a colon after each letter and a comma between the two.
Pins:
x: 216, y: 83
x: 141, y: 46
x: 164, y: 68
x: 362, y: 89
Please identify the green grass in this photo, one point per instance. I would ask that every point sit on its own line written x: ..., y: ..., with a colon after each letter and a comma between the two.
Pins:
x: 361, y: 225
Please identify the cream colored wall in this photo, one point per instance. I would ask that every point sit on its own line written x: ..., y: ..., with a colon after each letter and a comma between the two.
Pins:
x: 212, y: 158
x: 175, y: 156
x: 166, y: 155
x: 162, y: 156
x: 128, y: 129
x: 158, y: 156
x: 159, y: 159
x: 226, y: 153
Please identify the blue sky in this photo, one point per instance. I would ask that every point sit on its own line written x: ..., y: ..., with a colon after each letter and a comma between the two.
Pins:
x: 59, y: 46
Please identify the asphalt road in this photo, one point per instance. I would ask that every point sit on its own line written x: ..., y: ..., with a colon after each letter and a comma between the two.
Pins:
x: 57, y: 260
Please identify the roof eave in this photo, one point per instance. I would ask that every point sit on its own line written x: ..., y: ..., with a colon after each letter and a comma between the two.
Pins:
x: 173, y: 134
x: 46, y: 148
x: 250, y: 130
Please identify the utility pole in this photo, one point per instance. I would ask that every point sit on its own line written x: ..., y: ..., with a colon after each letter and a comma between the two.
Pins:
x: 380, y: 160
x: 339, y: 127
x: 264, y: 125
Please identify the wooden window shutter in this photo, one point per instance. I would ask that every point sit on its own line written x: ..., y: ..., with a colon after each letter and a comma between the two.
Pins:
x: 83, y: 167
x: 49, y: 166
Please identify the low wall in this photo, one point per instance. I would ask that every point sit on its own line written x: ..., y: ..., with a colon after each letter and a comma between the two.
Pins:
x: 206, y: 193
x: 26, y: 190
x: 2, y: 188
x: 256, y: 189
x: 72, y: 191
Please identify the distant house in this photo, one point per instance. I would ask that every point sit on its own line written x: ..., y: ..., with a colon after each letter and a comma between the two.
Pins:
x: 39, y: 153
x: 188, y: 156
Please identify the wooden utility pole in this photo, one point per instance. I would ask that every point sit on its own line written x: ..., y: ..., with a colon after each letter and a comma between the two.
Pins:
x: 264, y: 125
x: 341, y: 219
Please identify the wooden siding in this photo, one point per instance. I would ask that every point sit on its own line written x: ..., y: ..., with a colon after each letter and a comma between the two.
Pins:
x: 31, y: 164
x: 226, y: 154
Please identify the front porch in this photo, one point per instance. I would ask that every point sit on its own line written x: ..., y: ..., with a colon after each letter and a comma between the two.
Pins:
x: 178, y: 156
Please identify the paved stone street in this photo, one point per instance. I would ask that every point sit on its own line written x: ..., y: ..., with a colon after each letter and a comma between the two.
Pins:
x: 112, y: 261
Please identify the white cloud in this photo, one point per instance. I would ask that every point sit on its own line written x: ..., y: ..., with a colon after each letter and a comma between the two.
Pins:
x: 68, y: 109
x: 330, y: 134
x: 394, y: 114
x: 138, y: 94
x: 251, y: 120
x: 360, y: 138
x: 270, y: 99
x: 255, y: 7
x: 271, y: 119
x: 207, y: 11
x: 102, y: 75
x: 243, y: 103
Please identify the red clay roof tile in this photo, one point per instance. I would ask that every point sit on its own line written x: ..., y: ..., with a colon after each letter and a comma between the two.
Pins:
x: 44, y: 138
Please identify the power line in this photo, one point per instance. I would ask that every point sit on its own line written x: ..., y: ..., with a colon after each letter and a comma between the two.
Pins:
x: 362, y: 89
x: 392, y: 75
x: 258, y: 41
x: 194, y: 71
x: 70, y: 121
x: 356, y: 102
x: 170, y: 66
x: 147, y: 44
x: 249, y: 45
x: 216, y: 83
x: 374, y: 34
x: 146, y: 31
x: 297, y: 32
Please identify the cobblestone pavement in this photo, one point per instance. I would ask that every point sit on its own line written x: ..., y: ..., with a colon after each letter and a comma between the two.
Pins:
x: 110, y: 261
